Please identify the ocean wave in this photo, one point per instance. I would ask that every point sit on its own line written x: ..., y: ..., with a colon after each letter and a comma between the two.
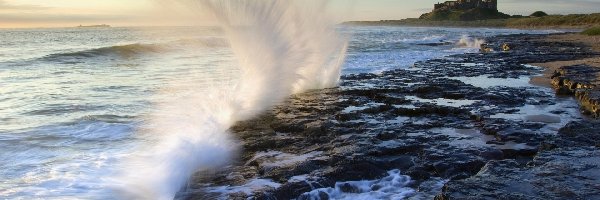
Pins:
x: 137, y: 49
x: 129, y: 50
x: 426, y: 39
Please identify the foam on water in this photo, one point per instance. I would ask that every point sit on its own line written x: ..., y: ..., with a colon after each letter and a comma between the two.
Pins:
x: 55, y: 175
x: 282, y: 47
x: 247, y: 188
x: 393, y: 186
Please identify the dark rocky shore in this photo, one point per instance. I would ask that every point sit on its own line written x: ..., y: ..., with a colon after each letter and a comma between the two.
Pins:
x: 462, y: 127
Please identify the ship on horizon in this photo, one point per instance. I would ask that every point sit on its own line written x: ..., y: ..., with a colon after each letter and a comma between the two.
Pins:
x: 95, y: 26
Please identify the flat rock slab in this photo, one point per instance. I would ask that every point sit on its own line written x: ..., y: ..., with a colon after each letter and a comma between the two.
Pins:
x: 582, y: 81
x: 441, y: 121
x: 569, y: 173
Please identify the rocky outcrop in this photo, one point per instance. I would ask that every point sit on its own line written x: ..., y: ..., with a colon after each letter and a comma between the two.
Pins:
x: 582, y: 81
x: 456, y: 120
x: 567, y: 168
x: 570, y: 173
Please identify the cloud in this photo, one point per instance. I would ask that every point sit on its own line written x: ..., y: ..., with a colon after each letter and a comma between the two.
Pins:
x: 12, y: 14
x: 5, y: 6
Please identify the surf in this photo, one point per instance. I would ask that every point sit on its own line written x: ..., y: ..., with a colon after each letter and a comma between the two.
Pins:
x: 281, y: 48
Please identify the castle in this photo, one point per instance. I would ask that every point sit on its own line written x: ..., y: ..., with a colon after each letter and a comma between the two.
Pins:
x: 466, y: 4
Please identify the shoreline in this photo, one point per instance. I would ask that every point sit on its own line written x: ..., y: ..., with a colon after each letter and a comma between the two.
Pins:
x: 566, y: 28
x: 572, y: 21
x: 436, y: 123
x: 592, y: 42
x: 574, y: 77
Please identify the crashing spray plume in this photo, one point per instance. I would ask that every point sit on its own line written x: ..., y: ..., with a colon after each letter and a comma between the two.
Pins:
x: 282, y: 48
x: 468, y: 42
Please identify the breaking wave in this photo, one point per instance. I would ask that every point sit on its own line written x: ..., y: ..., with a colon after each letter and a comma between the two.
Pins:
x: 282, y: 48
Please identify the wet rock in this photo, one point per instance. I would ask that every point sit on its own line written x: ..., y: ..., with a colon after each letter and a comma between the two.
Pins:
x: 292, y: 190
x: 348, y: 170
x: 571, y: 173
x: 401, y: 162
x: 578, y: 133
x: 583, y: 82
x: 414, y: 120
x: 492, y: 154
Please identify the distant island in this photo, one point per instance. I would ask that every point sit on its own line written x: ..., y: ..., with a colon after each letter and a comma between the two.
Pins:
x: 95, y: 26
x: 484, y: 13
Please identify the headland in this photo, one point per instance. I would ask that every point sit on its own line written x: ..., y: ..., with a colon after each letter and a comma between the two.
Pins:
x: 485, y: 13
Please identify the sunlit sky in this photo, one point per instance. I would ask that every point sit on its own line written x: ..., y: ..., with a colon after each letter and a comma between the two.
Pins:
x: 61, y: 13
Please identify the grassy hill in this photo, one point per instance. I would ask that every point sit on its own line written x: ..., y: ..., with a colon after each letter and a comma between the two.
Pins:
x: 574, y: 20
x: 450, y: 19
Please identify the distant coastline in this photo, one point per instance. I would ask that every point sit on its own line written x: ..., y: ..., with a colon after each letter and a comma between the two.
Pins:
x: 485, y: 13
x: 576, y: 21
x: 94, y: 26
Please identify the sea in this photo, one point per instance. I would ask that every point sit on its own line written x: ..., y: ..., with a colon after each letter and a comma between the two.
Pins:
x: 75, y: 103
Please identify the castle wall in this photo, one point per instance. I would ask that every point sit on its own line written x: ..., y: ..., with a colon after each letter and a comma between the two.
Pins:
x: 467, y: 4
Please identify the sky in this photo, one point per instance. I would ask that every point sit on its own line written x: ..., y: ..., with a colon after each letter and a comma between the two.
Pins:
x: 65, y: 13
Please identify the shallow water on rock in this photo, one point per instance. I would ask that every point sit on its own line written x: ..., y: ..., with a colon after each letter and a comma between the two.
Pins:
x: 485, y: 81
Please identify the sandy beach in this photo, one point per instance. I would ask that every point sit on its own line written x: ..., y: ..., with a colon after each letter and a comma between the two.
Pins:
x: 592, y: 42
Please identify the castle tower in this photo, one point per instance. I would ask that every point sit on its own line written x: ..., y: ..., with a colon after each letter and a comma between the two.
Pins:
x: 467, y: 4
x: 493, y: 4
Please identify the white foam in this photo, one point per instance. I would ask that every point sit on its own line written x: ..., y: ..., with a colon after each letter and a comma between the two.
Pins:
x: 299, y: 178
x: 279, y: 159
x: 469, y: 42
x: 282, y: 47
x: 248, y: 188
x: 393, y: 186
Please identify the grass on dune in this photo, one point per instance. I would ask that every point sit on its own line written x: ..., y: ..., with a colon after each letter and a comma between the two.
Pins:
x: 573, y: 20
x: 592, y: 31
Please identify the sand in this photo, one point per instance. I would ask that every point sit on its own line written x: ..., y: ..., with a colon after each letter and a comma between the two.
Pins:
x: 592, y: 42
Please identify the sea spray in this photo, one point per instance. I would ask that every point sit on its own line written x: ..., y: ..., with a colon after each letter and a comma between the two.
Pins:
x: 469, y: 42
x: 282, y: 47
